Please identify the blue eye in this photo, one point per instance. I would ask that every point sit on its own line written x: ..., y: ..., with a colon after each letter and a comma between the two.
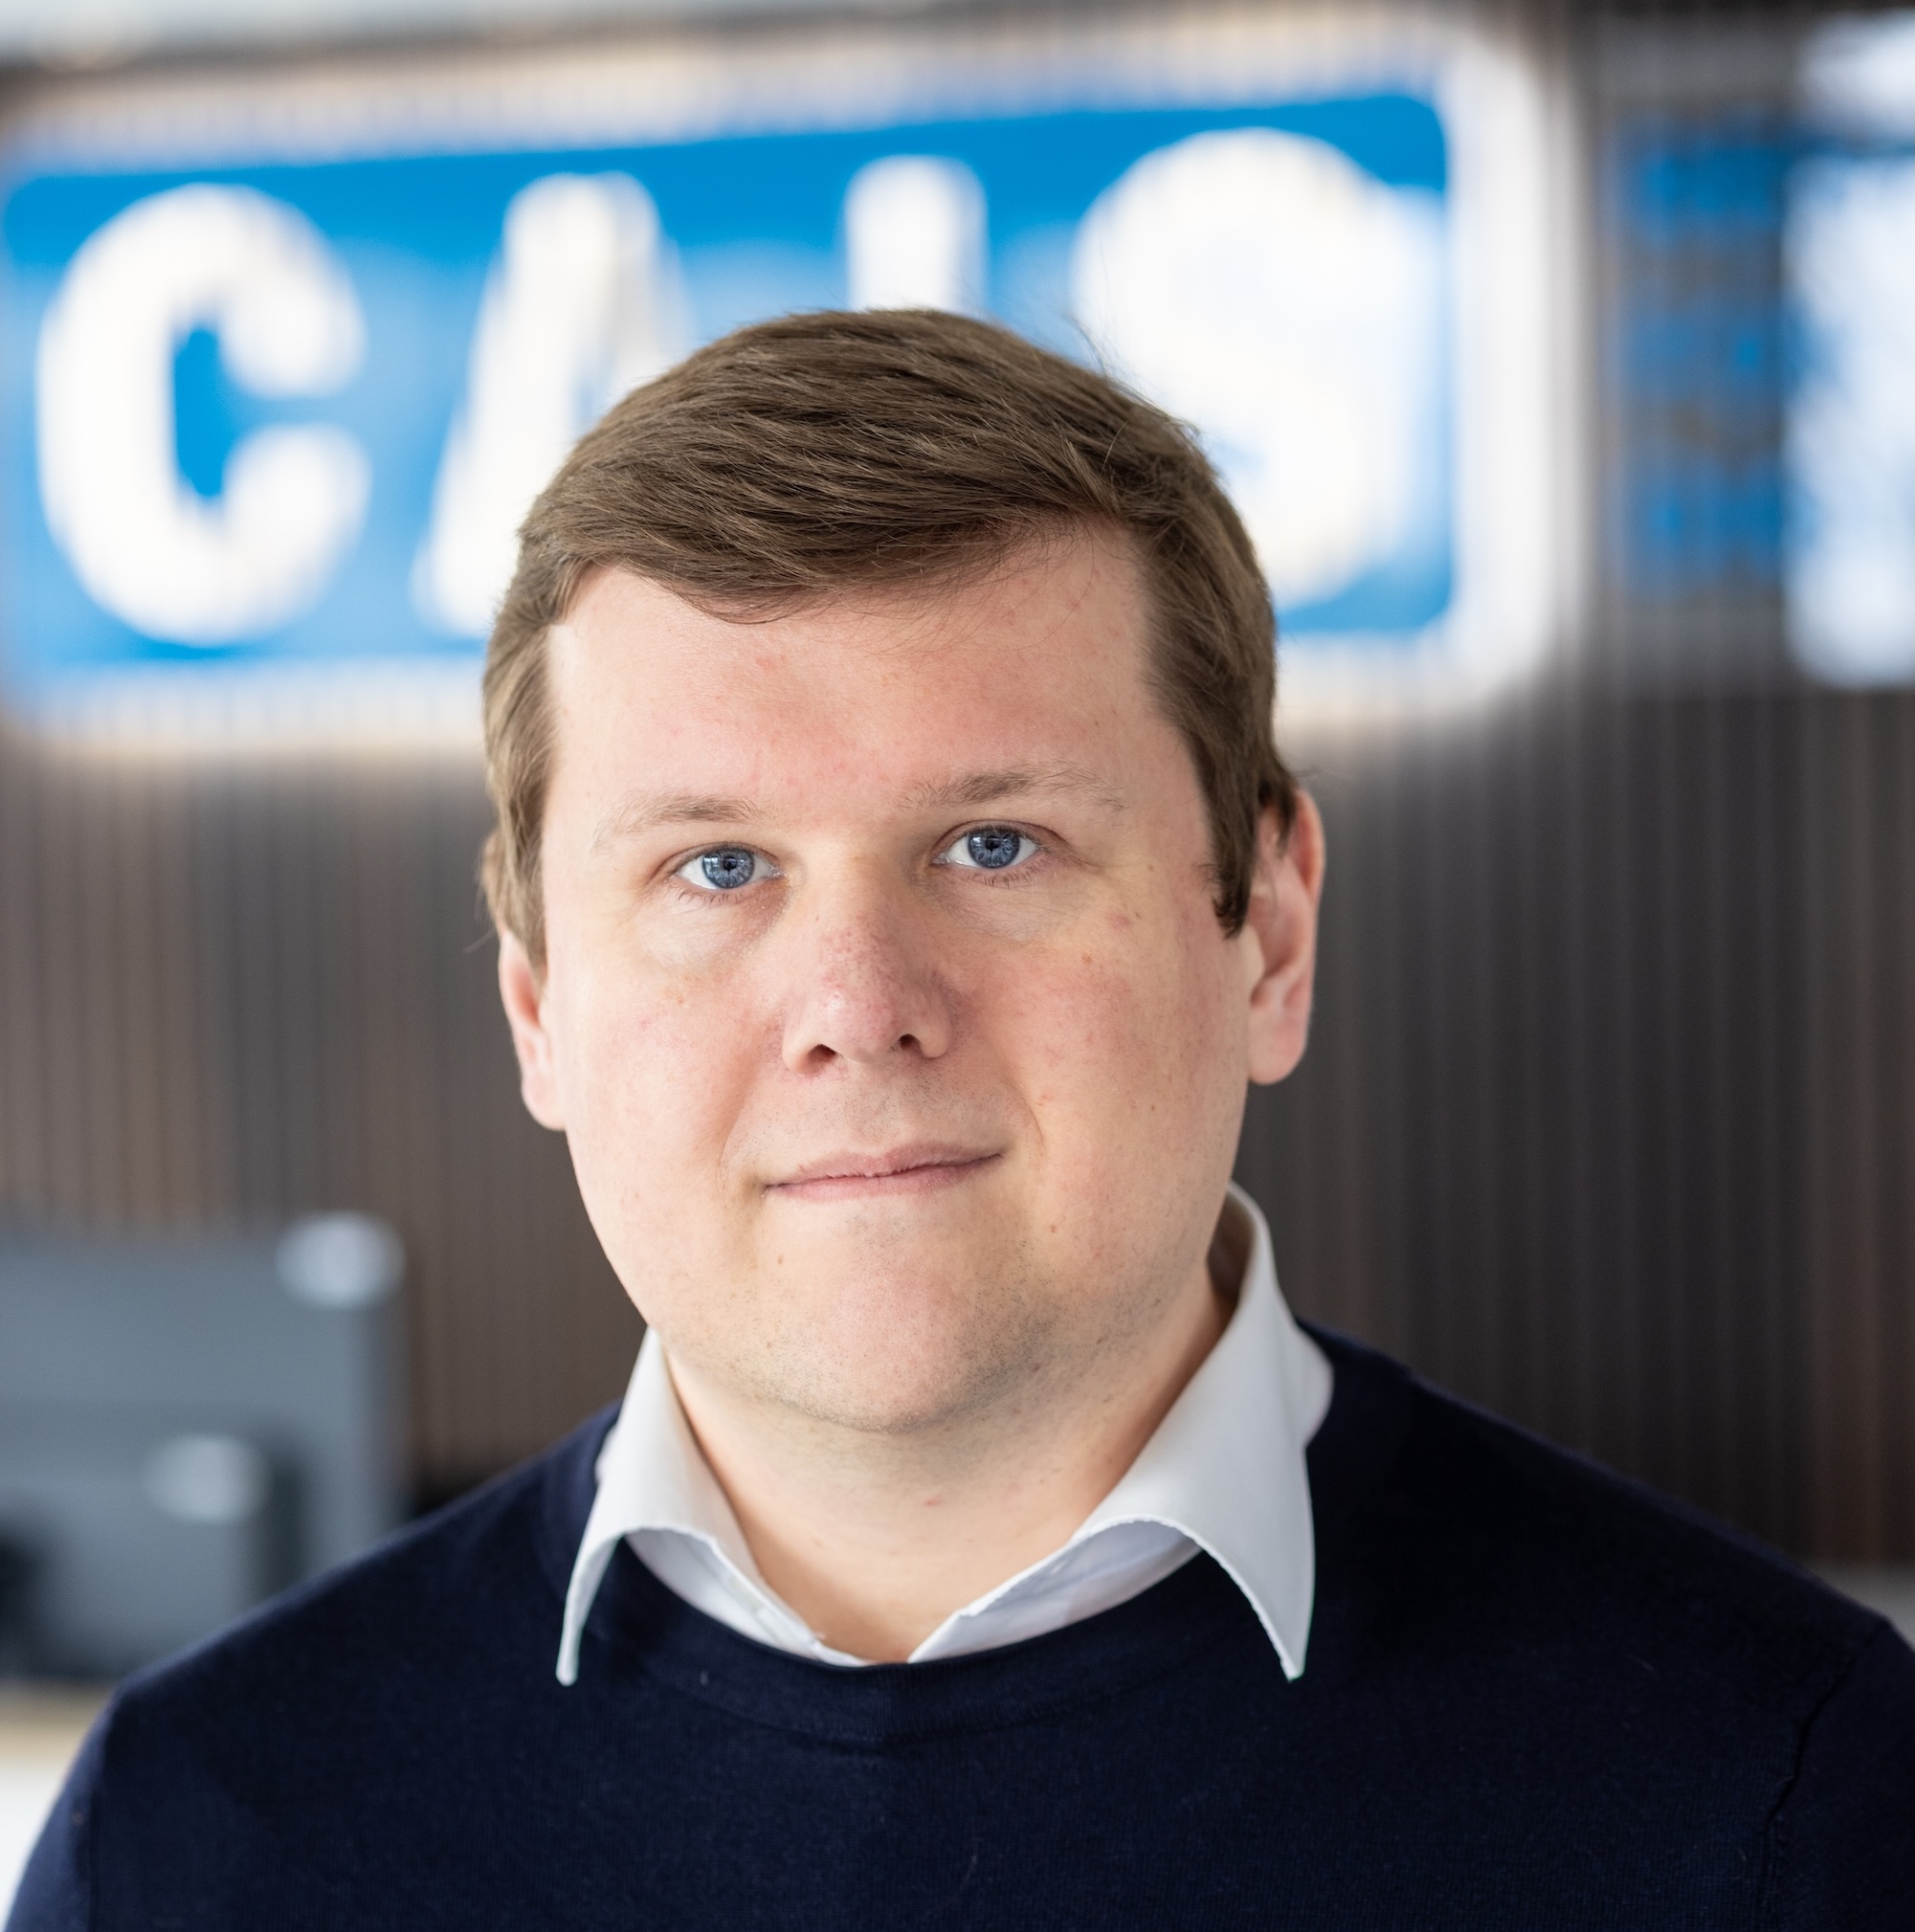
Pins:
x: 990, y: 848
x: 995, y: 848
x: 729, y: 868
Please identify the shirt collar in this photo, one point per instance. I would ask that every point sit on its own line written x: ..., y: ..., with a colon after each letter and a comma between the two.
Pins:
x: 1224, y: 1468
x: 1226, y: 1464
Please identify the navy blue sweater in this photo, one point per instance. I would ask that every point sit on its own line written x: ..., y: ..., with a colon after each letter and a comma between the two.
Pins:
x: 1536, y: 1697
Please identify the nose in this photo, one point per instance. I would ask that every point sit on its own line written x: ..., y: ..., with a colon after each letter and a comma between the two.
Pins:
x: 864, y: 986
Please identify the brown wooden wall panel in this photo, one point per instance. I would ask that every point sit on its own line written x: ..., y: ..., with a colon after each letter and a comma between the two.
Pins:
x: 108, y: 1108
x: 232, y: 994
x: 1612, y: 1124
x: 1859, y: 1046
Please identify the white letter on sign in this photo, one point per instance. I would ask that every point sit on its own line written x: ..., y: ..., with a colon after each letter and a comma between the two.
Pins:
x: 914, y: 235
x: 582, y: 305
x: 1265, y: 288
x: 170, y: 562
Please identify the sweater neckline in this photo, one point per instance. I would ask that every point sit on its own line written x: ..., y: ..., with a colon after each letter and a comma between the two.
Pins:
x: 639, y: 1627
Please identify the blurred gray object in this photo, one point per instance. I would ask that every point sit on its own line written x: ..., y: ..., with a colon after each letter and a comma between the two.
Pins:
x: 1888, y: 1588
x: 186, y: 1428
x: 106, y: 30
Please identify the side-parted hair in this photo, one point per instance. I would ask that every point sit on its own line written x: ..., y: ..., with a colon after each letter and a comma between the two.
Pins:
x: 829, y: 453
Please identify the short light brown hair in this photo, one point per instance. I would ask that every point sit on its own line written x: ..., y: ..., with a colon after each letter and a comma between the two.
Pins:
x: 826, y: 452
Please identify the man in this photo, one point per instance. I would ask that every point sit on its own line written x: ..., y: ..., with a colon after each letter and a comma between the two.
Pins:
x: 897, y: 885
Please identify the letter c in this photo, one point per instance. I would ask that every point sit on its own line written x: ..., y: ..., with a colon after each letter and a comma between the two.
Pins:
x: 146, y: 546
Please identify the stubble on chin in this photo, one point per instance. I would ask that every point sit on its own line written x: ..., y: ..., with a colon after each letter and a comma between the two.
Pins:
x: 868, y: 1344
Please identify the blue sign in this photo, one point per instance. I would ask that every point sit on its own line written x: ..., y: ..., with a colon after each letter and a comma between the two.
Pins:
x: 286, y: 417
x: 1764, y: 431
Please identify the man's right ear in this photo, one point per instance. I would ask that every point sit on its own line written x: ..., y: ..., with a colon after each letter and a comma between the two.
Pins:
x: 524, y: 993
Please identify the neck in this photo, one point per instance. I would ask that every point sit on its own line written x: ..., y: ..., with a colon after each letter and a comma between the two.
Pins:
x: 875, y: 1539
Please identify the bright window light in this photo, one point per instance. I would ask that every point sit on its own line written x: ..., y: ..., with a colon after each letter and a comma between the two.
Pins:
x: 1849, y: 445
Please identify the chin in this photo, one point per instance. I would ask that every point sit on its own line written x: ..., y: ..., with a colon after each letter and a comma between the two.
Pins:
x: 893, y: 1355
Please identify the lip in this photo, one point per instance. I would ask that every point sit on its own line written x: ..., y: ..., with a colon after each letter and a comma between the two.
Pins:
x: 916, y: 1168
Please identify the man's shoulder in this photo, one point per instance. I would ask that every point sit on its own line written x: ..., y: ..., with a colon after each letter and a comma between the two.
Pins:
x: 1560, y: 1654
x: 418, y: 1670
x: 1505, y: 1542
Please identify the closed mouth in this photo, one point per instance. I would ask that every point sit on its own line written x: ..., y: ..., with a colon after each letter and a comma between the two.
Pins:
x: 901, y: 1170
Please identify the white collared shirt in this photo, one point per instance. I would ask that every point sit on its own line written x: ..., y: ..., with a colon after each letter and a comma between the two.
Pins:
x: 1223, y: 1472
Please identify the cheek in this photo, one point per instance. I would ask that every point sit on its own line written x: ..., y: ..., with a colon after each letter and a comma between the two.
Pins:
x: 1135, y: 1048
x: 653, y: 1077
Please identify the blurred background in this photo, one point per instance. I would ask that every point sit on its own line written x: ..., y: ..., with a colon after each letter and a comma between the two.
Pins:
x: 1562, y: 358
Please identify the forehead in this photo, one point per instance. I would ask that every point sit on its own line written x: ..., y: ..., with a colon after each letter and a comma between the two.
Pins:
x: 1039, y: 662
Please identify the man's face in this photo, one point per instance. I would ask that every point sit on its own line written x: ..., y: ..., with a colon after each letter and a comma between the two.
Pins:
x: 899, y: 1049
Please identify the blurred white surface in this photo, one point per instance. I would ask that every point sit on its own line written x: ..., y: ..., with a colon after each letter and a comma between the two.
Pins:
x: 1850, y: 445
x: 208, y: 1478
x: 1888, y: 1588
x: 340, y: 1260
x: 1858, y: 75
x: 26, y: 1790
x: 1850, y: 442
x: 39, y: 1733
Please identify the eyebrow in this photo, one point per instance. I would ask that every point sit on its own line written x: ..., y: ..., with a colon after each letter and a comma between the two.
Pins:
x: 643, y: 812
x: 990, y: 788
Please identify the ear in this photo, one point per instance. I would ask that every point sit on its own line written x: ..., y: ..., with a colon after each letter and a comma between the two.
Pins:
x: 522, y: 991
x: 1282, y: 923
